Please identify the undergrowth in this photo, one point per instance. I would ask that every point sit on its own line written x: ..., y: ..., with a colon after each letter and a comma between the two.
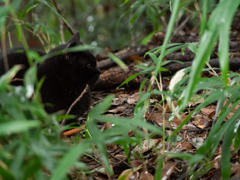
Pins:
x: 30, y: 143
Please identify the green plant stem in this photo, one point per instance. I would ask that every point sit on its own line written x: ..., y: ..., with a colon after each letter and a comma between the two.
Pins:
x: 168, y: 34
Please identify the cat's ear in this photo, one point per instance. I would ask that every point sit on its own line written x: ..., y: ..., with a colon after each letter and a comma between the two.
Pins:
x: 74, y: 41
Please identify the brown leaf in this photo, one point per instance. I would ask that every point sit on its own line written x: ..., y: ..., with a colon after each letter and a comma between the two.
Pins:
x: 137, y: 163
x: 231, y: 113
x: 186, y: 146
x: 133, y: 99
x: 135, y: 58
x: 128, y: 174
x: 147, y: 145
x: 120, y: 100
x: 201, y: 122
x: 175, y: 105
x: 209, y: 111
x: 145, y: 175
x: 235, y: 170
x: 119, y: 109
x: 158, y: 118
x: 168, y: 169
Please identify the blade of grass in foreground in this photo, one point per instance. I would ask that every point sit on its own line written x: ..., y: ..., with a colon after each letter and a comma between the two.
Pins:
x: 170, y: 27
x: 223, y: 12
x: 69, y: 159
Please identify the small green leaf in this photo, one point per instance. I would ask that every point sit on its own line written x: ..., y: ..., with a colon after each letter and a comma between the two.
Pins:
x: 18, y: 126
x: 69, y: 159
x: 5, y: 174
x: 36, y: 28
x: 237, y: 136
x: 7, y: 77
x: 137, y: 14
x: 101, y: 107
x: 153, y: 57
x: 3, y: 14
x: 118, y: 61
x: 129, y: 79
x: 147, y: 38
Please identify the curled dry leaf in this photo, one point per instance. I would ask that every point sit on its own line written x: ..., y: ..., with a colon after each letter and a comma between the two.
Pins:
x: 216, y: 162
x: 168, y: 169
x: 137, y: 162
x: 209, y: 111
x: 120, y: 100
x: 147, y: 145
x: 133, y: 99
x: 119, y: 109
x: 235, y: 169
x: 129, y: 174
x: 186, y: 146
x: 158, y: 118
x: 145, y: 175
x: 201, y: 121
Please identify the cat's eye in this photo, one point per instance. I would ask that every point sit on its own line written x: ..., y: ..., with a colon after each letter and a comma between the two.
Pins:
x: 88, y: 65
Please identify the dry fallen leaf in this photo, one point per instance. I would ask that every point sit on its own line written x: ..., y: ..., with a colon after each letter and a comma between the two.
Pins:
x: 209, y: 111
x: 145, y: 175
x: 201, y: 122
x: 129, y: 174
x: 168, y: 169
x: 147, y: 145
x: 133, y: 99
x: 119, y: 109
x: 186, y: 146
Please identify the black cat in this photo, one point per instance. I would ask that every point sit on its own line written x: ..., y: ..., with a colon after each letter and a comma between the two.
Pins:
x: 66, y: 75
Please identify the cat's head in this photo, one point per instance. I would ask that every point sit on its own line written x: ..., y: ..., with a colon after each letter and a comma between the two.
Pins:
x: 77, y: 66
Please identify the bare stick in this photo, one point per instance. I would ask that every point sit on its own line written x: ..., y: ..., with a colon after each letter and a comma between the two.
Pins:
x: 64, y: 22
x: 4, y: 50
x: 61, y: 31
x: 74, y: 103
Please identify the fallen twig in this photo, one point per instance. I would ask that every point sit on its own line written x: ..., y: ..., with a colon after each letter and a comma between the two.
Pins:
x: 73, y: 131
x: 64, y: 22
x: 74, y: 103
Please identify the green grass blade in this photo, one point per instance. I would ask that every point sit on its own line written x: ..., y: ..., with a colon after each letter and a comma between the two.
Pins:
x: 226, y: 152
x: 160, y: 165
x: 100, y: 108
x: 129, y: 79
x: 204, y: 17
x: 18, y: 126
x: 69, y: 159
x: 6, y: 174
x: 118, y: 61
x: 218, y: 130
x: 170, y: 27
x: 224, y: 31
x: 208, y: 40
x: 99, y: 140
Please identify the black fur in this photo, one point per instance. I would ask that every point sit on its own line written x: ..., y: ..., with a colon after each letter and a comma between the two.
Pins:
x: 66, y: 76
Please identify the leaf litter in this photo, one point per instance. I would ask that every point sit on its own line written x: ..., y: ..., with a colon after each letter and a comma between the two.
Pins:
x: 141, y: 162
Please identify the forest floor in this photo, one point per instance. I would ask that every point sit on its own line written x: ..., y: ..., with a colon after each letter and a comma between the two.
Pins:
x: 192, y: 134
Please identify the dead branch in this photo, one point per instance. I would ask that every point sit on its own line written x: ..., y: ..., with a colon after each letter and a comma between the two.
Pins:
x: 234, y: 64
x: 115, y: 76
x: 59, y: 12
x: 74, y: 103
